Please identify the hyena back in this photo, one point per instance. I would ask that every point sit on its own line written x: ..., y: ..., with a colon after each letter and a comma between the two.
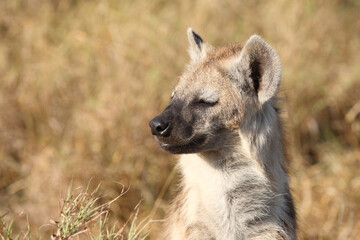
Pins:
x: 223, y: 119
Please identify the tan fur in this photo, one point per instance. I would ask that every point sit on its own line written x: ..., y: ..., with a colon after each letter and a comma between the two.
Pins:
x: 234, y: 185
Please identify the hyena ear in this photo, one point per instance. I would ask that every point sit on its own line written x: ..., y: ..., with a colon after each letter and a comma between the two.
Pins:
x: 262, y: 65
x: 197, y: 47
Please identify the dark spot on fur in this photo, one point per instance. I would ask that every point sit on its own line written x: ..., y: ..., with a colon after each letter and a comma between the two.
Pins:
x: 246, y: 187
x: 246, y: 88
x: 230, y: 198
x: 224, y: 73
x: 216, y: 124
x: 234, y: 166
x: 257, y: 220
x: 188, y: 131
x: 250, y: 187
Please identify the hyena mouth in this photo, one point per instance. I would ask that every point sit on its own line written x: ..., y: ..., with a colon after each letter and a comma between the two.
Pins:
x: 191, y: 147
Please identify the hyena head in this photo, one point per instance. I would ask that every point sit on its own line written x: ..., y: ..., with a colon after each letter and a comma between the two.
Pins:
x: 218, y: 92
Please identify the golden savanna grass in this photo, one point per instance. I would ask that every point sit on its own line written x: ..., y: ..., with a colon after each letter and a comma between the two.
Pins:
x: 80, y: 80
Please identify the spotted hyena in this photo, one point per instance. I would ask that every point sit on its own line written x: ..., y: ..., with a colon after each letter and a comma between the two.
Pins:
x: 222, y: 118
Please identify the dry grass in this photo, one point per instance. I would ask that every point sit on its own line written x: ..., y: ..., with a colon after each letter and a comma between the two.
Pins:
x: 82, y: 217
x: 81, y: 79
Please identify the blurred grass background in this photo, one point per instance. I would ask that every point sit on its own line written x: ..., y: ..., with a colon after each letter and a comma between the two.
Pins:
x: 80, y: 80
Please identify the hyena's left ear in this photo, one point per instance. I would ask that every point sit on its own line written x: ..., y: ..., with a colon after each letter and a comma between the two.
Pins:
x: 197, y: 47
x: 262, y: 65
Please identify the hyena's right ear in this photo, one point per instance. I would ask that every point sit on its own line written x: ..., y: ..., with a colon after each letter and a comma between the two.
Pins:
x: 197, y: 47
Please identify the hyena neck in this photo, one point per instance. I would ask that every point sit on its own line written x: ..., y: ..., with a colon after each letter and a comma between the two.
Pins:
x: 261, y: 142
x: 248, y: 178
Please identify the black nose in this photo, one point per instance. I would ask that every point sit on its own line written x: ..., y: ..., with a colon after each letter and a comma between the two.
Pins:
x: 159, y: 127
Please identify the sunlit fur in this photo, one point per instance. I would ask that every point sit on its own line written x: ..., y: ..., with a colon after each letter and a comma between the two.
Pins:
x: 234, y: 185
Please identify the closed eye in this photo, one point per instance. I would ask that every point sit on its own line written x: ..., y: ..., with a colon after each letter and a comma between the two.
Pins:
x: 206, y: 103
